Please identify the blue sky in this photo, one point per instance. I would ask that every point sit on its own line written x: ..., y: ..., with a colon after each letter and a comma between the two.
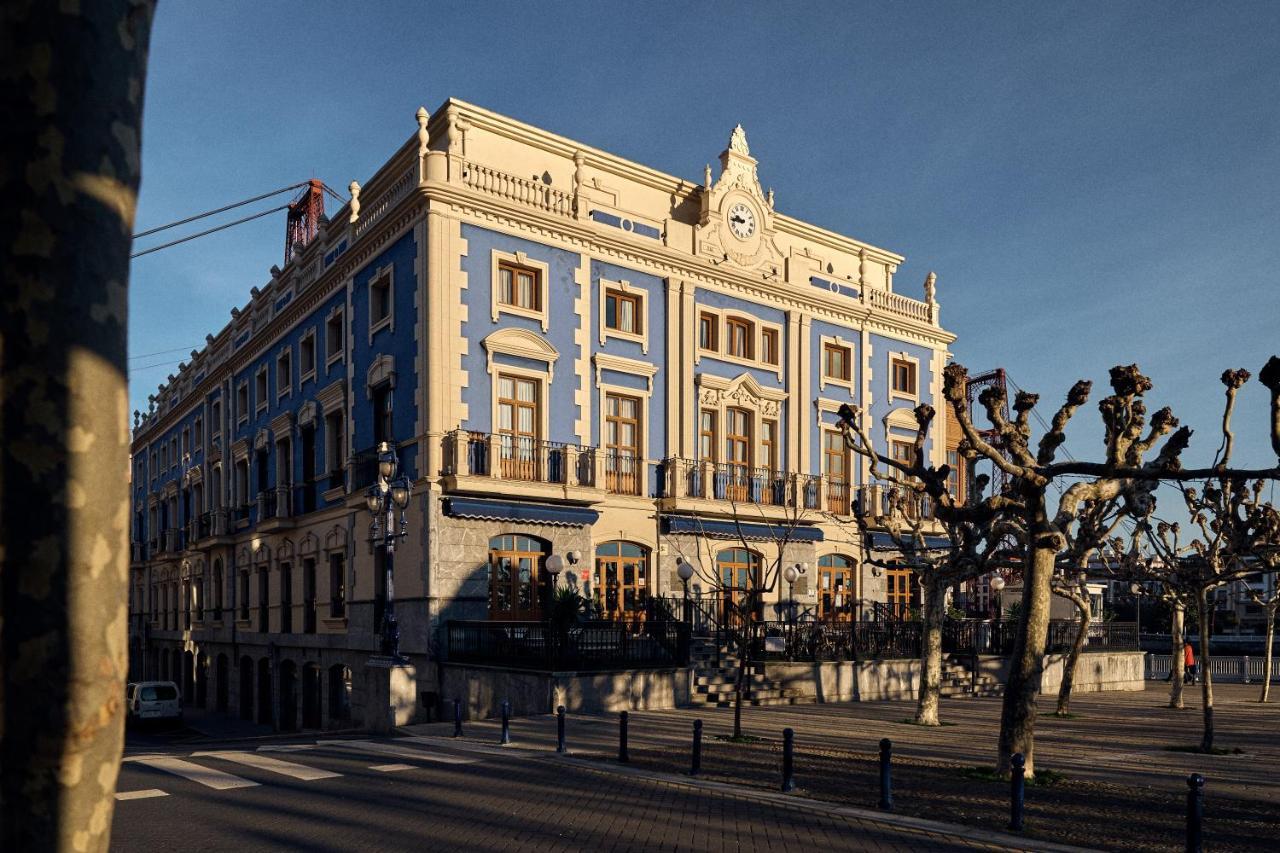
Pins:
x: 1093, y: 183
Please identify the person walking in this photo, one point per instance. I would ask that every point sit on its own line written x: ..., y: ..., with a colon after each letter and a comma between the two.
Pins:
x: 1189, y: 658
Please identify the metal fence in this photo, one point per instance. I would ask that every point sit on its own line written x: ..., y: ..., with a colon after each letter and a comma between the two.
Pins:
x: 1240, y: 669
x: 585, y: 646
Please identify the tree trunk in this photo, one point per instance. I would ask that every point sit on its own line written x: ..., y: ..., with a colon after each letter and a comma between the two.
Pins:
x: 1266, y: 658
x: 933, y: 610
x: 72, y: 102
x: 1206, y: 675
x: 1177, y: 666
x: 743, y: 647
x: 1018, y: 714
x: 1073, y: 657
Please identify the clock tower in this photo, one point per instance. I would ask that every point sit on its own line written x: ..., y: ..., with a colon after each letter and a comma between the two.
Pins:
x: 736, y: 218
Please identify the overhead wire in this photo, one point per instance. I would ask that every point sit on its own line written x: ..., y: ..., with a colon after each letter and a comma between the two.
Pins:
x: 222, y: 209
x: 209, y: 231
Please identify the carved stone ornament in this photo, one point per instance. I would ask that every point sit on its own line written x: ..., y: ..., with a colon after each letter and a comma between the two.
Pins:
x: 738, y: 140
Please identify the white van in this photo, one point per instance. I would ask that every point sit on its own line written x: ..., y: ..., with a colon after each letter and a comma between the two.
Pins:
x: 154, y: 700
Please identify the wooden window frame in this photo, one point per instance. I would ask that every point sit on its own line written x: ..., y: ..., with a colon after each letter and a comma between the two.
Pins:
x: 332, y: 354
x: 769, y: 353
x: 617, y: 298
x: 623, y: 478
x: 769, y: 446
x: 262, y: 378
x: 307, y: 341
x: 708, y: 437
x: 744, y: 330
x: 537, y: 576
x: 846, y: 353
x: 912, y: 369
x: 710, y: 324
x: 518, y: 465
x: 284, y: 357
x: 517, y: 263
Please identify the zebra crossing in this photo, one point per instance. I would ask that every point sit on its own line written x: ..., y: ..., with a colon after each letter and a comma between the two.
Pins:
x: 197, y: 768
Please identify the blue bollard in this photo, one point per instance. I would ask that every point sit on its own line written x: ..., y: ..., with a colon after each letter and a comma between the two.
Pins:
x: 788, y: 760
x: 457, y: 718
x: 1017, y: 790
x: 696, y: 767
x: 623, y: 755
x: 506, y: 723
x: 886, y: 775
x: 560, y: 747
x: 1195, y: 813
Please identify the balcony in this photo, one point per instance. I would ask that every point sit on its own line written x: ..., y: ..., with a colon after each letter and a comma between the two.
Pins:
x: 717, y: 487
x: 137, y: 552
x: 881, y: 502
x: 477, y: 462
x: 275, y: 508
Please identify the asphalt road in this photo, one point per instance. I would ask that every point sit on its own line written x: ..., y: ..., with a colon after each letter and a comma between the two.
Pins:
x: 362, y: 793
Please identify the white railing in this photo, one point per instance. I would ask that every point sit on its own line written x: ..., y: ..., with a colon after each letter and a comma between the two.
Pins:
x: 516, y: 189
x: 896, y: 303
x: 1243, y: 669
x: 371, y: 212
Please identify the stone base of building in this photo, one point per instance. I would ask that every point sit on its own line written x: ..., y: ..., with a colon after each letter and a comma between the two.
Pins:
x: 483, y: 689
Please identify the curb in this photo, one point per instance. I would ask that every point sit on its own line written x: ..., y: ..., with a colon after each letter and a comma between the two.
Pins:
x: 917, y: 824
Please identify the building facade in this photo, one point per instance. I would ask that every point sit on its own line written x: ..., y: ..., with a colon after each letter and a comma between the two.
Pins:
x: 573, y: 354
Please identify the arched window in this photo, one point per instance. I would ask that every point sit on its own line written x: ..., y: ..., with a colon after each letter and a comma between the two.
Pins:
x: 517, y: 583
x: 739, y: 573
x: 836, y: 590
x: 621, y: 582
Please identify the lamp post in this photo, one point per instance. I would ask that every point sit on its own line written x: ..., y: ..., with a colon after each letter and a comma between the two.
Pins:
x: 684, y: 570
x: 1136, y: 589
x: 997, y: 585
x: 383, y: 498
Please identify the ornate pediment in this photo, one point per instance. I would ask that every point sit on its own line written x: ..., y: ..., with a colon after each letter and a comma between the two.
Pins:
x: 736, y: 217
x: 744, y: 392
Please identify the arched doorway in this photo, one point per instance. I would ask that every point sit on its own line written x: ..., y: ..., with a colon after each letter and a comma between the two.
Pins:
x: 246, y: 688
x: 311, y: 696
x: 738, y: 571
x: 339, y: 696
x: 622, y: 580
x: 518, y: 586
x: 288, y: 721
x: 836, y: 591
x: 202, y: 682
x: 264, y: 691
x: 220, y: 685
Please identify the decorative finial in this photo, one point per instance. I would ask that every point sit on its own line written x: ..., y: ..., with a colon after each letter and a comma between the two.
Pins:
x: 769, y: 198
x: 706, y: 177
x: 137, y: 418
x: 738, y: 140
x: 930, y: 286
x: 424, y: 138
x: 355, y: 201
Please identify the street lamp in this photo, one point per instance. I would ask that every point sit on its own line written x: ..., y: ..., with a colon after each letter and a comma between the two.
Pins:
x: 685, y: 570
x: 997, y: 584
x: 1136, y: 589
x: 383, y: 498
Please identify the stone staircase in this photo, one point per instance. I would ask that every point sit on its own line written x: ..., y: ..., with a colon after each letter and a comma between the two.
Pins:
x: 958, y: 681
x: 715, y: 672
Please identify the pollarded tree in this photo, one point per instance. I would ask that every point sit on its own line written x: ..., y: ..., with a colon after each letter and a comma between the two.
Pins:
x: 979, y: 538
x: 1125, y: 476
x: 1087, y: 540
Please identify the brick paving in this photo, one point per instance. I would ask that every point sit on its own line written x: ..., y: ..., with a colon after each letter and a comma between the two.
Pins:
x: 1124, y: 787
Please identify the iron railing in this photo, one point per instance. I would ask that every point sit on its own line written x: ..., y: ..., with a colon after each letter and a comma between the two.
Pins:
x: 724, y: 481
x: 584, y: 646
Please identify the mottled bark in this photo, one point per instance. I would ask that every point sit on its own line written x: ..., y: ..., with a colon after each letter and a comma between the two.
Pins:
x: 1026, y: 664
x: 933, y: 611
x: 72, y: 99
x: 1206, y: 673
x: 1073, y: 657
x: 1266, y: 658
x: 1177, y: 665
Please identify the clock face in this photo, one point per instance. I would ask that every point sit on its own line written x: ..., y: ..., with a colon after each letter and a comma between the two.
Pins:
x: 742, y: 221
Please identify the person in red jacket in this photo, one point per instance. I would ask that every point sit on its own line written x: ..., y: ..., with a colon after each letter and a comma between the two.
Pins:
x: 1189, y: 658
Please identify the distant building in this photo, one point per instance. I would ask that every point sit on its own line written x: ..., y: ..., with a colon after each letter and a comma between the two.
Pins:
x: 573, y: 354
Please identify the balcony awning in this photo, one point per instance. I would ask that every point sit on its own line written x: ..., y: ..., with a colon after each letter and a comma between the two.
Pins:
x: 730, y: 530
x: 881, y: 541
x: 518, y: 511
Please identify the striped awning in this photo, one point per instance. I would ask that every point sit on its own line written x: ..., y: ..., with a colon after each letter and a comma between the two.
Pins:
x: 534, y: 513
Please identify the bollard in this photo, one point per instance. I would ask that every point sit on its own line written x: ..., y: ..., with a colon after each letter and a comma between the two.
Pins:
x: 506, y: 722
x: 457, y: 718
x: 560, y: 747
x: 886, y: 775
x: 696, y: 767
x: 1017, y: 790
x: 788, y: 760
x: 1246, y: 669
x: 1195, y: 813
x: 623, y: 756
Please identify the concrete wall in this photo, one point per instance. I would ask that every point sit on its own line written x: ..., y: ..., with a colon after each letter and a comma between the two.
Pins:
x: 483, y: 688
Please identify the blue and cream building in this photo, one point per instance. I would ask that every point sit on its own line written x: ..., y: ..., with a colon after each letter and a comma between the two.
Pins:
x: 574, y: 354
